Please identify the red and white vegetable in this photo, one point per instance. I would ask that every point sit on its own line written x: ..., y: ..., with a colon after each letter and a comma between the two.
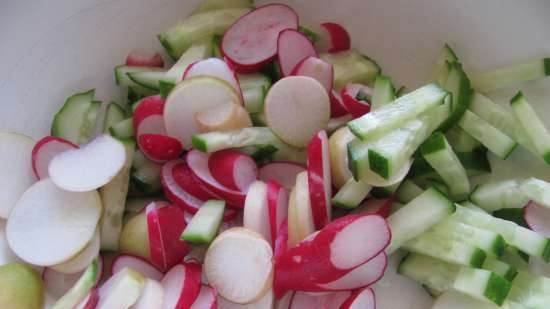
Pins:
x: 207, y: 298
x: 277, y: 204
x: 361, y: 276
x: 316, y: 68
x: 213, y: 67
x: 538, y: 218
x: 45, y: 150
x: 144, y: 58
x: 355, y: 107
x: 181, y: 286
x: 319, y: 179
x: 293, y: 47
x: 181, y: 186
x: 256, y: 211
x: 282, y: 172
x: 337, y: 107
x: 333, y: 38
x: 136, y: 263
x: 362, y: 299
x: 334, y: 300
x: 233, y: 169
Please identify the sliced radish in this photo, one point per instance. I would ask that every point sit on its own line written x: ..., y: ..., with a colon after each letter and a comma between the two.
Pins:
x: 293, y: 47
x: 165, y: 223
x: 280, y: 246
x: 277, y: 204
x: 89, y: 167
x: 380, y: 207
x: 78, y: 263
x: 355, y: 107
x: 148, y: 106
x: 151, y: 296
x: 300, y: 217
x: 213, y: 67
x: 538, y: 218
x: 57, y: 283
x: 233, y: 169
x: 198, y: 163
x: 191, y: 96
x: 316, y: 68
x: 207, y: 299
x: 337, y: 106
x: 282, y: 172
x: 227, y: 117
x: 62, y: 222
x: 136, y: 263
x: 284, y: 302
x: 319, y: 179
x: 181, y: 286
x: 90, y: 301
x: 121, y: 291
x: 297, y: 107
x: 333, y: 38
x: 362, y: 299
x: 361, y: 276
x: 248, y: 279
x: 252, y: 40
x: 159, y: 147
x: 303, y: 300
x: 266, y: 302
x: 144, y: 58
x: 44, y: 151
x: 256, y: 211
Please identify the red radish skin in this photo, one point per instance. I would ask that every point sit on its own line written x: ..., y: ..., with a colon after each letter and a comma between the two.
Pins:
x: 181, y: 187
x: 198, y: 163
x: 277, y: 203
x: 282, y: 172
x: 160, y: 148
x: 181, y: 286
x: 252, y: 40
x: 361, y: 276
x: 338, y: 37
x: 143, y: 58
x: 207, y: 299
x: 43, y: 152
x: 319, y: 179
x: 355, y: 107
x: 213, y: 67
x: 537, y: 218
x: 337, y: 107
x: 233, y: 169
x: 316, y: 68
x: 148, y: 106
x: 137, y: 264
x: 280, y: 247
x: 293, y: 47
x: 304, y: 300
x: 90, y: 301
x: 380, y: 207
x: 362, y: 299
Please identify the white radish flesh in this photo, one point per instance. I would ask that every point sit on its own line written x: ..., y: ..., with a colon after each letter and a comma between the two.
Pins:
x: 49, y: 226
x: 121, y: 291
x: 44, y: 151
x: 319, y: 179
x: 151, y: 296
x: 181, y: 286
x: 207, y: 299
x: 361, y: 276
x: 300, y: 217
x: 282, y: 172
x: 292, y: 47
x: 89, y: 167
x: 277, y: 204
x: 256, y: 211
x: 233, y: 169
x: 303, y: 300
x: 136, y: 263
x: 83, y: 259
x: 265, y: 302
x: 227, y: 117
x: 538, y: 218
x: 213, y: 67
x: 316, y: 68
x: 362, y: 299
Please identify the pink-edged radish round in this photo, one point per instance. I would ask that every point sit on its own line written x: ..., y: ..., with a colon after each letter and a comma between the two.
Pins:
x: 292, y: 47
x: 282, y: 172
x: 354, y: 106
x: 280, y: 246
x: 277, y: 204
x: 45, y: 150
x: 380, y: 207
x: 333, y: 38
x: 159, y: 147
x: 337, y: 107
x: 144, y: 58
x: 213, y: 67
x: 177, y: 191
x: 233, y: 169
x: 198, y: 163
x: 181, y: 286
x: 361, y: 276
x: 90, y: 301
x: 136, y: 263
x: 319, y: 179
x: 362, y: 299
x: 252, y: 40
x: 207, y: 298
x: 148, y: 106
x: 304, y: 300
x: 256, y: 211
x: 152, y: 296
x: 316, y: 68
x: 538, y: 218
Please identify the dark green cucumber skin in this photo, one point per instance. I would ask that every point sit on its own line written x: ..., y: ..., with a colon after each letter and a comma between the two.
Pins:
x: 497, y: 289
x: 511, y: 214
x: 511, y: 274
x: 478, y: 258
x: 499, y: 245
x: 475, y: 163
x: 463, y: 101
x: 199, y: 143
x: 379, y: 164
x: 434, y: 143
x: 546, y: 66
x: 165, y: 88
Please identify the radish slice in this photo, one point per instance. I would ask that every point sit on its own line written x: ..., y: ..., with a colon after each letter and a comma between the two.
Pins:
x: 198, y: 163
x: 147, y: 107
x: 89, y: 167
x: 380, y: 207
x: 252, y: 40
x: 207, y: 299
x: 282, y: 172
x: 337, y: 107
x: 319, y: 179
x: 316, y: 68
x: 362, y: 299
x: 355, y: 107
x: 279, y: 248
x: 136, y: 263
x: 297, y: 107
x: 284, y: 302
x: 78, y: 263
x: 277, y: 204
x: 233, y: 169
x: 538, y: 218
x: 361, y: 276
x: 121, y: 291
x: 227, y: 117
x: 151, y: 296
x: 256, y: 211
x: 57, y: 283
x: 181, y: 286
x: 300, y: 217
x: 333, y: 38
x: 265, y: 302
x: 213, y: 67
x: 44, y: 151
x: 144, y: 58
x: 62, y: 222
x: 247, y: 280
x: 303, y: 300
x: 293, y: 47
x: 159, y: 148
x: 90, y: 301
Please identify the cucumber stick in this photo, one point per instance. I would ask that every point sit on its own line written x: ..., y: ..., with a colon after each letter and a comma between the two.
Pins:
x: 384, y: 92
x: 391, y: 116
x: 438, y: 153
x: 205, y: 223
x: 418, y: 216
x: 482, y: 284
x: 145, y: 174
x: 123, y: 79
x: 497, y: 195
x: 458, y: 84
x: 385, y: 192
x: 407, y: 191
x: 441, y: 69
x: 511, y: 214
x: 80, y: 289
x: 351, y: 194
x: 435, y: 274
x: 532, y: 125
x: 474, y: 162
x: 123, y: 129
x: 147, y: 79
x: 537, y: 190
x: 350, y: 66
x: 461, y: 141
x: 500, y: 268
x: 254, y: 89
x: 505, y: 76
x: 114, y: 113
x: 75, y: 121
x: 211, y: 5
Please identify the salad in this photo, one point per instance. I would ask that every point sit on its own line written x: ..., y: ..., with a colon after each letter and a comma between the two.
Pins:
x: 273, y: 165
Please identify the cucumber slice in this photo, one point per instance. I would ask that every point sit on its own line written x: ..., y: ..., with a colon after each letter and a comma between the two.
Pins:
x: 81, y: 288
x: 441, y: 70
x: 458, y: 84
x: 350, y: 66
x: 177, y: 39
x: 492, y: 196
x: 391, y: 116
x: 145, y: 174
x: 88, y: 125
x: 475, y: 163
x: 537, y: 190
x: 68, y: 121
x: 211, y: 5
x: 496, y: 141
x: 532, y: 125
x: 518, y: 73
x: 461, y: 141
x: 147, y: 79
x: 482, y: 284
x: 113, y: 115
x: 205, y: 223
x: 123, y: 129
x: 500, y: 268
x: 384, y: 92
x: 495, y: 114
x: 438, y: 153
x: 254, y: 89
x: 351, y: 194
x: 123, y: 79
x: 418, y: 216
x: 407, y: 191
x: 435, y: 274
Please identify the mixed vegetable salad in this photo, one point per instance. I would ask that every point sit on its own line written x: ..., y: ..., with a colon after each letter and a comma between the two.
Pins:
x: 272, y: 165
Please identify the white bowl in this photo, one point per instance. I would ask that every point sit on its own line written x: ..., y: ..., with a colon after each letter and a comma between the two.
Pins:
x: 51, y: 49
